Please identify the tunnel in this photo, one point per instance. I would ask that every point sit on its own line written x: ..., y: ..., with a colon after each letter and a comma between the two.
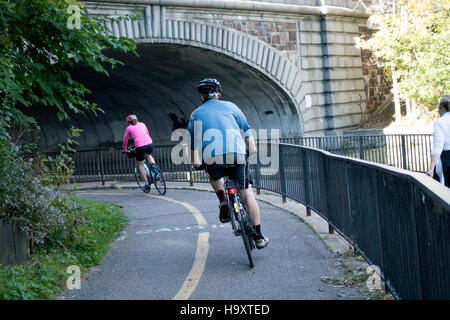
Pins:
x: 159, y: 86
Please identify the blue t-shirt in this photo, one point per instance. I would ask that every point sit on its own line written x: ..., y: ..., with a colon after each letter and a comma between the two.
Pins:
x: 218, y: 124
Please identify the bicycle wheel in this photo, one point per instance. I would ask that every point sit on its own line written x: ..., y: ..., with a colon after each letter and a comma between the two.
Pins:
x: 139, y: 180
x: 159, y: 182
x: 251, y: 232
x: 245, y: 236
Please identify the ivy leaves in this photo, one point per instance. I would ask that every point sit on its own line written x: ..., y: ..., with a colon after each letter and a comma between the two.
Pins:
x: 38, y: 50
x: 415, y: 39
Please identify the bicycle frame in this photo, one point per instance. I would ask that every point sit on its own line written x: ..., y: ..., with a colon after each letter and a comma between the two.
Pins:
x: 239, y: 217
x: 154, y: 174
x: 238, y: 213
x: 233, y: 197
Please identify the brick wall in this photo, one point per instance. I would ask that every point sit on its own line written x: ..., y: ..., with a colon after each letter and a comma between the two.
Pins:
x: 377, y: 88
x: 280, y: 35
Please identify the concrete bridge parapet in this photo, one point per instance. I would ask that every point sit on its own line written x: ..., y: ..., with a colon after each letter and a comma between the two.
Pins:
x: 290, y: 65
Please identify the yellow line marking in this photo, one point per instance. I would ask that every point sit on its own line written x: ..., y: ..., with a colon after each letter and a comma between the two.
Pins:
x: 193, y: 278
x: 201, y: 254
x: 106, y: 193
x: 201, y: 221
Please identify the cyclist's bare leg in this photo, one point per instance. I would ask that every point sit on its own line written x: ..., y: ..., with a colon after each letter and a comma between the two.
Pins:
x: 217, y: 185
x: 142, y: 170
x: 252, y: 206
x: 150, y: 159
x: 247, y: 196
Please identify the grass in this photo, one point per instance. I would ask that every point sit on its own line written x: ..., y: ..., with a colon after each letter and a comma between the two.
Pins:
x: 44, y: 275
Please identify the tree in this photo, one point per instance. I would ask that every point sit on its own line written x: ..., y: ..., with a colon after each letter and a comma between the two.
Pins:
x: 40, y: 42
x: 413, y: 37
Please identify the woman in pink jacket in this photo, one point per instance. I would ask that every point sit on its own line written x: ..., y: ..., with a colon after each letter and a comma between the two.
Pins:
x: 142, y: 142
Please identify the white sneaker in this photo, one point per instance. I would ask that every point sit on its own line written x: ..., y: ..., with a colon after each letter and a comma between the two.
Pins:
x: 262, y: 242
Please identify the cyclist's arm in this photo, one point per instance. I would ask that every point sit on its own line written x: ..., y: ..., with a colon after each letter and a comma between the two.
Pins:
x: 251, y: 145
x: 195, y: 159
x: 125, y: 140
x: 241, y: 120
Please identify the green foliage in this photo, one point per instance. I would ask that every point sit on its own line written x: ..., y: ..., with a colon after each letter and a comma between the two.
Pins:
x: 38, y: 50
x: 24, y: 197
x: 53, y: 170
x: 415, y: 40
x: 44, y: 276
x: 57, y: 169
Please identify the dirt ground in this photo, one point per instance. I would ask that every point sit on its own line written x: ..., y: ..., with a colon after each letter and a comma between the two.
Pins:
x: 386, y: 119
x: 358, y: 274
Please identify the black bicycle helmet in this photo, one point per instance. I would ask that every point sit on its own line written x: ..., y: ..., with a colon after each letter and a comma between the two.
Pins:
x: 209, y: 87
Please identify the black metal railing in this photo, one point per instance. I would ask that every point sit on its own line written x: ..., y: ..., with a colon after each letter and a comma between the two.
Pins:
x: 111, y: 164
x: 404, y: 151
x: 410, y: 152
x: 390, y: 216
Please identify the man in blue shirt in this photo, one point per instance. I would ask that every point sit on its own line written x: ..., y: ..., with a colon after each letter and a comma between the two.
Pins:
x: 216, y: 140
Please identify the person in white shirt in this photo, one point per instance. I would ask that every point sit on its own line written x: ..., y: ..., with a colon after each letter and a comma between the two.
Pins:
x: 441, y: 142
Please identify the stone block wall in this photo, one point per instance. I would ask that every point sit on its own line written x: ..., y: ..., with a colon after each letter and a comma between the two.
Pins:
x: 280, y: 35
x: 377, y: 87
x: 333, y: 71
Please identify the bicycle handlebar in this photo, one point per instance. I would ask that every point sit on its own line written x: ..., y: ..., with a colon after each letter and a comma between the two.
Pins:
x: 201, y: 167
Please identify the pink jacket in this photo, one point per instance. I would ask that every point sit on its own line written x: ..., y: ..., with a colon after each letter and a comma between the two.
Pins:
x: 139, y: 133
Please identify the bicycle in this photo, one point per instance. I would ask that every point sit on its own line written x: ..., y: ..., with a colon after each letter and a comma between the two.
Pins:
x: 154, y: 174
x: 239, y: 217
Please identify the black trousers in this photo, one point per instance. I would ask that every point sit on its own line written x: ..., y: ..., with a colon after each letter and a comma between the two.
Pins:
x: 445, y: 159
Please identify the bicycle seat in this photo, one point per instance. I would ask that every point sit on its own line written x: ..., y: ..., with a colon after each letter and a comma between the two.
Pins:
x: 231, y: 184
x: 230, y: 166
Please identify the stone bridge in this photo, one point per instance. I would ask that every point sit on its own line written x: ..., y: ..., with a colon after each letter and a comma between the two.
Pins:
x: 288, y: 64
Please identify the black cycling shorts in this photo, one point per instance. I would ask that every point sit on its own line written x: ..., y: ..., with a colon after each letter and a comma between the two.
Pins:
x: 141, y: 151
x: 240, y: 173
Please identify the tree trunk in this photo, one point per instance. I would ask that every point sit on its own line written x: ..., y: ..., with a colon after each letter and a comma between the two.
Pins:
x: 413, y: 109
x: 398, y: 114
x: 408, y: 109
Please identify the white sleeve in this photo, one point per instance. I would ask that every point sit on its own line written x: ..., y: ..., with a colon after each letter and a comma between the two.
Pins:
x: 438, y: 139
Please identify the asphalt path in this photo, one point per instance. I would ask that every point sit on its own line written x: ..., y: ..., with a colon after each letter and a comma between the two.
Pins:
x: 176, y: 248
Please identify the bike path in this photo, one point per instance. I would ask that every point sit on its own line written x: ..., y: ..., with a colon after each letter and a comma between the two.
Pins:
x: 159, y: 249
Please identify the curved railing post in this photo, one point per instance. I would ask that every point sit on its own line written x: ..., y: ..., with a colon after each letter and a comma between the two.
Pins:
x: 306, y: 181
x: 257, y: 177
x: 282, y: 173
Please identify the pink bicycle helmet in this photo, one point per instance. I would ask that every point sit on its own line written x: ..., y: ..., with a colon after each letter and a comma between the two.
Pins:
x: 131, y: 117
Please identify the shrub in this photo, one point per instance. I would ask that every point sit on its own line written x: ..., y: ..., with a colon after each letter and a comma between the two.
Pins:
x: 27, y: 197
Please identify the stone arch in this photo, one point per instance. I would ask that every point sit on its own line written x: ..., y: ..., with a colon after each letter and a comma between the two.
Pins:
x: 154, y: 27
x: 268, y: 91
